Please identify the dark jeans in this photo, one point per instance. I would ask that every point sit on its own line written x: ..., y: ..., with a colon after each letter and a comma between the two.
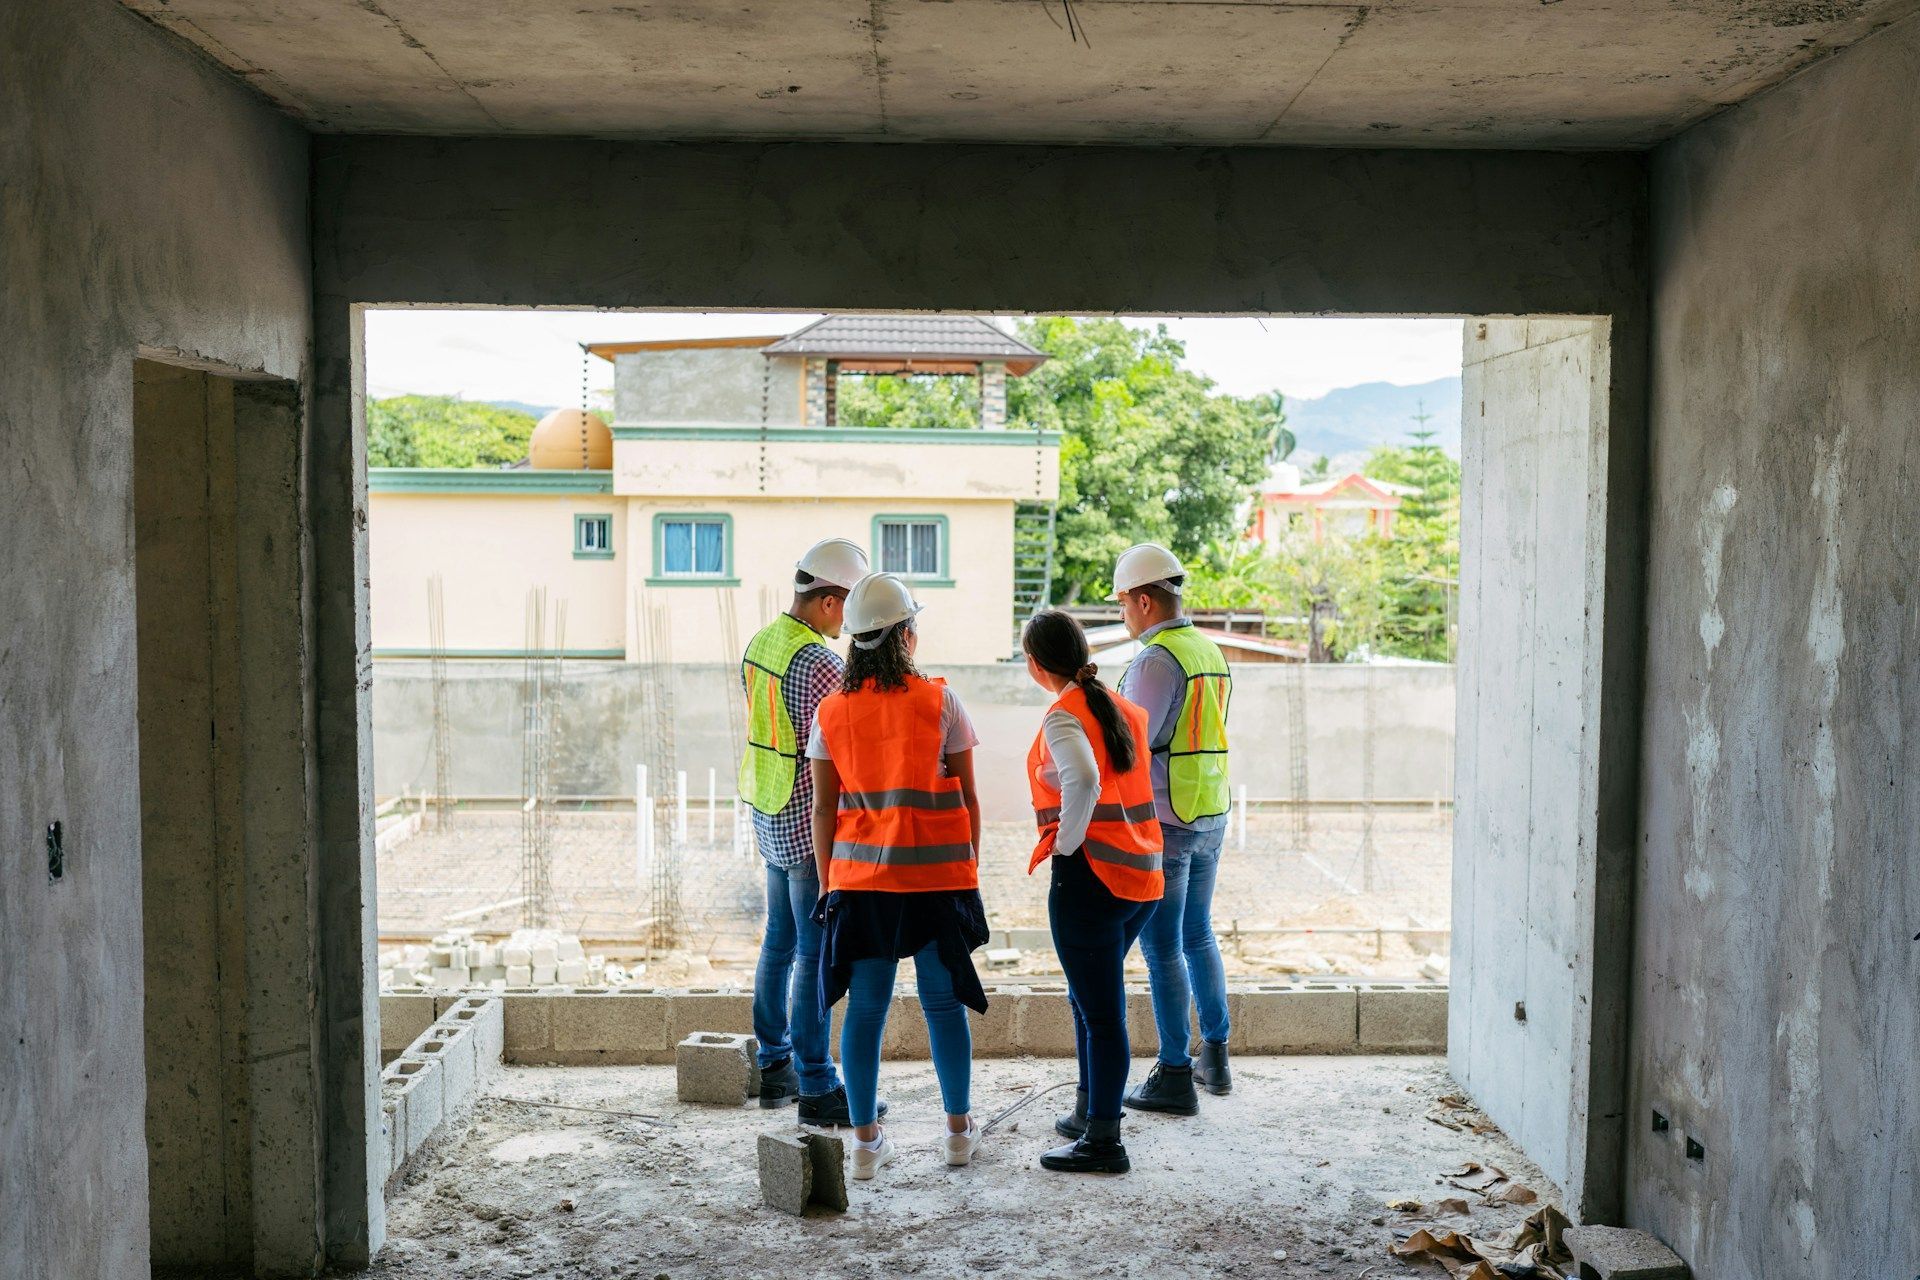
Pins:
x: 788, y: 1017
x: 1092, y: 931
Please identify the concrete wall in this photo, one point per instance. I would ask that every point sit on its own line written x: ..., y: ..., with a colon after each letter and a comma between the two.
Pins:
x: 1524, y: 872
x: 149, y: 202
x: 490, y: 550
x: 1775, y: 975
x: 726, y: 384
x: 848, y: 461
x: 598, y: 729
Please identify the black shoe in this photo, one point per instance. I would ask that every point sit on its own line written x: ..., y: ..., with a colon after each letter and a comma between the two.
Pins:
x: 1075, y: 1125
x: 1210, y: 1070
x: 779, y: 1085
x: 1100, y: 1151
x: 1167, y: 1089
x: 827, y: 1110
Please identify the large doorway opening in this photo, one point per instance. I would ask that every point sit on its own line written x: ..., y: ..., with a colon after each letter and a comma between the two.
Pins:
x: 233, y: 1150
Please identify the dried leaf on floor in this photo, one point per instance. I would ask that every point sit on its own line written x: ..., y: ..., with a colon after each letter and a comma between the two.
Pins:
x: 1404, y: 1206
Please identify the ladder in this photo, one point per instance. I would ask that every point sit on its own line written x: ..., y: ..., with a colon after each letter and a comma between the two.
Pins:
x: 1032, y: 562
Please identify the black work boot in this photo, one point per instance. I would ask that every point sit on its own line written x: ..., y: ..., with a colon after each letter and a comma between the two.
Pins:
x: 1167, y: 1089
x: 1098, y: 1151
x: 1076, y: 1124
x: 827, y: 1110
x: 1210, y: 1070
x: 779, y: 1085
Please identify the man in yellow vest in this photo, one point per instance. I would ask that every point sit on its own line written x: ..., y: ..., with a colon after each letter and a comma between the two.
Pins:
x: 1181, y: 680
x: 787, y: 670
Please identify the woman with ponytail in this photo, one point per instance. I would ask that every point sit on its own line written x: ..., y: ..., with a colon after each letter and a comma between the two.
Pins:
x: 1093, y: 802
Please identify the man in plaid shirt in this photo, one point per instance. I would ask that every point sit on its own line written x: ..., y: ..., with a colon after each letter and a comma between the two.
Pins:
x: 787, y: 670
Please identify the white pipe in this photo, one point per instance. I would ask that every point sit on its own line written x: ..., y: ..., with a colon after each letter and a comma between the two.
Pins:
x: 680, y: 808
x: 712, y: 800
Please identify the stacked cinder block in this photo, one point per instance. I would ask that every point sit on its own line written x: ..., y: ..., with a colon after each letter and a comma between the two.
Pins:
x: 636, y: 1026
x: 439, y: 1075
x: 1619, y: 1253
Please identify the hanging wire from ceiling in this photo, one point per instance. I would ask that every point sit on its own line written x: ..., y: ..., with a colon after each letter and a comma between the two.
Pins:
x: 1074, y: 27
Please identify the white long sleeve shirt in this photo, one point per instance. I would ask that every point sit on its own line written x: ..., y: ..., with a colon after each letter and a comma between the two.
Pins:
x: 1071, y: 767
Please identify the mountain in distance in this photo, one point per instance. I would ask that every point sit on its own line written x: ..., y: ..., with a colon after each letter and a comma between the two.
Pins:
x: 1348, y: 421
x: 521, y: 406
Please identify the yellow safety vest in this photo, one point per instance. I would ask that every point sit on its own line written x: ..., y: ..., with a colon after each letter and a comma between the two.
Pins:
x: 1197, y: 750
x: 773, y: 749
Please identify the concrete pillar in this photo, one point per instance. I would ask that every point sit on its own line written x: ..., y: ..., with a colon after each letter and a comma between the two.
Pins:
x: 993, y: 395
x: 232, y: 1043
x: 813, y: 410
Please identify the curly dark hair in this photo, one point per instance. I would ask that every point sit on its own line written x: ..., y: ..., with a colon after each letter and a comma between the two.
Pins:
x: 888, y: 665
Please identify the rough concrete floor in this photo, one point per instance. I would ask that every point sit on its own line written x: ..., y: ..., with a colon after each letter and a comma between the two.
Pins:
x: 1300, y: 1161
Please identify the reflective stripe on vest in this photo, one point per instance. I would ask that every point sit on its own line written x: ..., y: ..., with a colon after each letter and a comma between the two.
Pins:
x: 1196, y: 750
x: 1123, y: 837
x: 901, y: 825
x: 768, y: 766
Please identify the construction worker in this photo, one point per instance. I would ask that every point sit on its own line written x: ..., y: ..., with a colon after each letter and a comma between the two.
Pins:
x: 1093, y: 801
x: 1181, y: 679
x: 787, y: 670
x: 896, y: 835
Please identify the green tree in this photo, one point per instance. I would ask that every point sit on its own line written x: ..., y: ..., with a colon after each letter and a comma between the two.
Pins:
x: 1149, y: 451
x: 444, y: 431
x: 922, y: 400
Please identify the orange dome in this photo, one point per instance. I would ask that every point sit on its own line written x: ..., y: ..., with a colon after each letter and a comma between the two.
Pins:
x: 571, y: 440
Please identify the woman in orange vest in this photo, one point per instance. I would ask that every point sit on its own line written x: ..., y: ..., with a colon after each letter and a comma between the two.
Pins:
x: 896, y: 834
x: 1093, y: 801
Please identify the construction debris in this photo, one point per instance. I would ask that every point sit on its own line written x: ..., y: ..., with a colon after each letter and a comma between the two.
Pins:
x: 716, y: 1067
x: 1535, y: 1247
x: 459, y: 959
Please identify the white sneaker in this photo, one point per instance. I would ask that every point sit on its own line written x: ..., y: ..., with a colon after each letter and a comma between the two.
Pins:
x: 961, y: 1146
x: 865, y: 1161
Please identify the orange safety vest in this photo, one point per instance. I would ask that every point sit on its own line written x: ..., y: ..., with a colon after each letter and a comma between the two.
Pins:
x: 903, y: 825
x: 1123, y: 839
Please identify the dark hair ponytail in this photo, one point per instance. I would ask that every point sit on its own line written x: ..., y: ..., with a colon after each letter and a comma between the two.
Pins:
x: 887, y: 664
x: 1056, y: 644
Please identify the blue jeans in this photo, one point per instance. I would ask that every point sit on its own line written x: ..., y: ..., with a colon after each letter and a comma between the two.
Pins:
x: 788, y: 1018
x: 1178, y: 943
x: 1092, y: 933
x: 869, y: 995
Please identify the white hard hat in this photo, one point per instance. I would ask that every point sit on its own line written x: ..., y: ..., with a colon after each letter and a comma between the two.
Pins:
x: 877, y: 602
x: 836, y: 560
x: 1144, y: 566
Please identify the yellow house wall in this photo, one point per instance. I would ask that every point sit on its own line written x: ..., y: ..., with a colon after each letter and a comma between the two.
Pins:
x: 489, y: 550
x: 854, y: 469
x: 968, y: 622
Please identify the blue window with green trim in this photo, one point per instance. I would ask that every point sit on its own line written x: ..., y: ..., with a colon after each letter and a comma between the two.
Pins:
x: 592, y: 537
x: 911, y: 546
x: 693, y: 547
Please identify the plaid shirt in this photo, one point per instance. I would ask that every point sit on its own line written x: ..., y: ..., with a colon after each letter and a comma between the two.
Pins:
x: 786, y: 838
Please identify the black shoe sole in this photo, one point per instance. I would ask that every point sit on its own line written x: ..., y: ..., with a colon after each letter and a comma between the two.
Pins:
x: 1118, y: 1164
x: 1162, y: 1108
x: 769, y: 1102
x: 1217, y: 1090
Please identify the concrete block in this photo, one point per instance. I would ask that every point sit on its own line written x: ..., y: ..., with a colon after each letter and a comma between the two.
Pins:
x: 515, y: 955
x: 519, y: 975
x: 419, y: 1091
x: 485, y: 1018
x: 906, y: 1034
x: 402, y: 1019
x: 545, y: 975
x: 994, y: 1031
x: 1618, y: 1253
x: 708, y: 1009
x: 1045, y: 1022
x: 529, y: 1026
x: 571, y: 972
x: 621, y: 1029
x: 1143, y: 1037
x: 799, y: 1169
x: 453, y: 1050
x: 1402, y: 1019
x: 393, y: 1127
x: 715, y: 1067
x: 1315, y: 1018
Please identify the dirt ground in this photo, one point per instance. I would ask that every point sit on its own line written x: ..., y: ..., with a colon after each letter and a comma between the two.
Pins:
x: 1275, y: 880
x: 1289, y: 1177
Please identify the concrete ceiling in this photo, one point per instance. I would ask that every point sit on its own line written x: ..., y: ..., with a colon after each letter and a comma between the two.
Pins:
x: 1474, y: 73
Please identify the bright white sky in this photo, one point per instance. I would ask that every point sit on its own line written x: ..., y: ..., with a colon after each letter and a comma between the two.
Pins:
x: 534, y: 356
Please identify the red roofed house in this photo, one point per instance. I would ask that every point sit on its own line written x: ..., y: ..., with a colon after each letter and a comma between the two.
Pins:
x: 1350, y: 506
